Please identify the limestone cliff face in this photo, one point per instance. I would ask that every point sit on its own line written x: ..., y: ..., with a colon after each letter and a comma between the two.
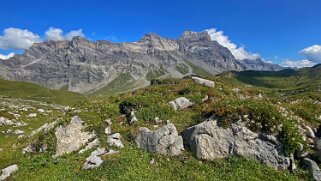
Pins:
x: 83, y: 65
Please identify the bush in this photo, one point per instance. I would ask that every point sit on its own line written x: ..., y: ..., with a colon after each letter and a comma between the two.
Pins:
x: 164, y: 112
x: 290, y: 137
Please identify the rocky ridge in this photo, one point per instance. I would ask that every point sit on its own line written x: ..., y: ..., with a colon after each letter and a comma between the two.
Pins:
x: 83, y: 66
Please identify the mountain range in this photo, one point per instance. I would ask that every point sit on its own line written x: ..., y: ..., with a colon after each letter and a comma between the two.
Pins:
x: 83, y: 66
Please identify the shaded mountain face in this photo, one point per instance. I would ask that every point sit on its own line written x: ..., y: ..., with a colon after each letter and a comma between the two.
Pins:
x: 82, y: 66
x: 258, y: 64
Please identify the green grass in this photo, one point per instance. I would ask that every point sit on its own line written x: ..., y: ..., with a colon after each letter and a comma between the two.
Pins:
x: 153, y: 74
x: 198, y: 71
x: 133, y: 164
x: 305, y: 78
x: 121, y: 83
x: 31, y: 91
x: 182, y: 68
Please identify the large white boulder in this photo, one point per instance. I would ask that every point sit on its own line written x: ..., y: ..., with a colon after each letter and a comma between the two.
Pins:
x: 209, y: 141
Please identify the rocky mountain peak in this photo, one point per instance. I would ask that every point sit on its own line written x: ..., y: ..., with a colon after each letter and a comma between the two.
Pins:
x: 195, y: 36
x: 83, y: 65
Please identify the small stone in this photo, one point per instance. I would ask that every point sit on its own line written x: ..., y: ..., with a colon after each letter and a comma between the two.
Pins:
x: 204, y: 99
x: 114, y: 140
x: 108, y: 130
x: 152, y: 161
x: 18, y: 132
x: 32, y: 115
x: 41, y: 110
x: 6, y: 172
x: 158, y: 121
x: 132, y: 118
x: 309, y: 132
x: 108, y: 121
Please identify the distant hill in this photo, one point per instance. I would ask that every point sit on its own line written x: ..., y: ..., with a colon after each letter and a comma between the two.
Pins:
x: 304, y: 80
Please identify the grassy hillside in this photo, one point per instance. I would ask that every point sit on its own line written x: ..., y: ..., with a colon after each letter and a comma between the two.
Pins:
x: 304, y: 81
x: 235, y: 94
x: 31, y: 91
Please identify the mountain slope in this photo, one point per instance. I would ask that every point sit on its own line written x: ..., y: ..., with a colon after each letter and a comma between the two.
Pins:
x: 82, y: 66
x: 304, y: 81
x: 24, y: 90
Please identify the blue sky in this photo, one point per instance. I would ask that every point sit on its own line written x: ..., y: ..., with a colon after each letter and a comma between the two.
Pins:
x: 278, y: 30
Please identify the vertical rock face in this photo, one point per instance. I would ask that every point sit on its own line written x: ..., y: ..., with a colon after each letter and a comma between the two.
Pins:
x: 208, y: 141
x: 164, y: 140
x: 72, y: 137
x: 81, y: 65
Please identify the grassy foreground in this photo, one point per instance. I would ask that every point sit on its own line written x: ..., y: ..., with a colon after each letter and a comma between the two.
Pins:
x: 230, y: 98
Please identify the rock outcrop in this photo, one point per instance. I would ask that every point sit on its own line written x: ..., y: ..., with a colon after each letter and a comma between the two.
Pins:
x: 72, y: 137
x: 208, y: 141
x: 164, y: 140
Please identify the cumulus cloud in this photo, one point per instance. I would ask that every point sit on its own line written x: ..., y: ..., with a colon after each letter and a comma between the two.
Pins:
x: 312, y: 53
x: 73, y: 33
x: 238, y: 52
x: 15, y: 38
x: 297, y: 64
x: 5, y: 57
x: 20, y: 39
x: 56, y: 34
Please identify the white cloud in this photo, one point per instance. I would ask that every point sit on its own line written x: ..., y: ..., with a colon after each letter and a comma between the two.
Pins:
x: 56, y: 34
x: 312, y: 53
x: 73, y: 33
x: 238, y: 52
x: 20, y: 39
x: 5, y: 57
x: 298, y: 64
x: 15, y: 38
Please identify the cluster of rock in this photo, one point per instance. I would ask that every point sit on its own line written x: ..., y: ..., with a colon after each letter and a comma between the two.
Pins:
x: 113, y: 140
x: 94, y: 160
x: 8, y: 122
